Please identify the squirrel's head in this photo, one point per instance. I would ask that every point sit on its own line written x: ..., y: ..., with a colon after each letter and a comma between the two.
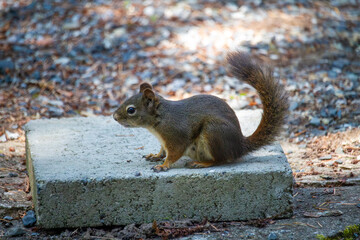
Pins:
x: 139, y: 110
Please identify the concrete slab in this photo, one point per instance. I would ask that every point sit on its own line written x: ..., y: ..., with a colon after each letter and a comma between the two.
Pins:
x: 90, y: 172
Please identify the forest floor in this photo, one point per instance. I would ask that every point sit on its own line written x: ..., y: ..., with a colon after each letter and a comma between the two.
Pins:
x: 80, y: 58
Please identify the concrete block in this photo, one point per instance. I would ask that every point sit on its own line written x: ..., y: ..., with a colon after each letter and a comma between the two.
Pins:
x: 90, y: 172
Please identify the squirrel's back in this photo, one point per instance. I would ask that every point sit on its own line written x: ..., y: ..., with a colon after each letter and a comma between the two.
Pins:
x: 200, y: 108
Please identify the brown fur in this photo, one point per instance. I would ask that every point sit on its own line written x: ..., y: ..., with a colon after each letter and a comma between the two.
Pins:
x: 272, y: 95
x: 204, y: 127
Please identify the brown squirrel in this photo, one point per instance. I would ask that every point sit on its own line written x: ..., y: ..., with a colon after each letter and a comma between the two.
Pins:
x: 204, y: 127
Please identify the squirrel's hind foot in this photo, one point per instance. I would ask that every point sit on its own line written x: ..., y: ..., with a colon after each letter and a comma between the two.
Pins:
x: 153, y: 157
x: 199, y: 164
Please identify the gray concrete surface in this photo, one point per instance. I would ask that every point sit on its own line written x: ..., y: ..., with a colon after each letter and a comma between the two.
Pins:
x: 90, y: 172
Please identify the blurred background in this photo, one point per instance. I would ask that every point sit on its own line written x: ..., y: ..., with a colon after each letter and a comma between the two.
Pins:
x: 83, y: 58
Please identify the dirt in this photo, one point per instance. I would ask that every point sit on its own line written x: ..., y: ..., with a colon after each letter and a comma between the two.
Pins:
x: 323, y: 159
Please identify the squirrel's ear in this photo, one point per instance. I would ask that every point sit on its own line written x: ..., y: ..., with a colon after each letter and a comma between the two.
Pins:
x: 148, y: 94
x: 149, y: 98
x: 144, y: 86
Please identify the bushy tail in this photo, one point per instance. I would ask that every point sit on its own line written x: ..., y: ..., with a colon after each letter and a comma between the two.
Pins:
x: 272, y: 95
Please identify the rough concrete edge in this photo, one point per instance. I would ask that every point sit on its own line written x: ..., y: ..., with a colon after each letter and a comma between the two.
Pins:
x: 284, y: 212
x: 289, y: 211
x: 328, y: 183
x: 31, y: 173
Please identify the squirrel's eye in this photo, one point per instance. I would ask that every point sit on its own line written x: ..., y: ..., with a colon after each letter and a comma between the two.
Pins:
x: 130, y: 110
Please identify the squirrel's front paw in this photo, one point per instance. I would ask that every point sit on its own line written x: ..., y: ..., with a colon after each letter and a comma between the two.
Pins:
x: 160, y: 168
x: 153, y: 157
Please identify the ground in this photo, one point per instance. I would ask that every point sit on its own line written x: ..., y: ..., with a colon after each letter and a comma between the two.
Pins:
x: 80, y: 58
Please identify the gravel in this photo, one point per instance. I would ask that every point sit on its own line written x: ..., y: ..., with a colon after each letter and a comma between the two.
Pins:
x: 29, y: 219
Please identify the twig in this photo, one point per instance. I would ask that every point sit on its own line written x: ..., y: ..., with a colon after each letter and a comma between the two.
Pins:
x: 299, y: 133
x: 324, y: 203
x: 321, y: 209
x: 311, y: 225
x: 216, y: 229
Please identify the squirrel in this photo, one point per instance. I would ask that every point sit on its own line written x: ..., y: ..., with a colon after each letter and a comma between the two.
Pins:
x: 204, y: 127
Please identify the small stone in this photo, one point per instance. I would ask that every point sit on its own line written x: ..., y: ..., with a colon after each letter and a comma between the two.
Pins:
x: 332, y: 112
x: 112, y: 103
x: 71, y: 25
x: 3, y: 138
x: 118, y: 32
x: 340, y: 63
x: 352, y: 76
x: 326, y: 157
x: 293, y: 106
x: 55, y: 112
x: 138, y: 174
x: 6, y: 65
x: 325, y: 121
x: 151, y: 42
x: 326, y: 177
x: 207, y: 88
x: 15, y: 231
x: 302, y: 146
x: 323, y: 112
x: 56, y: 79
x: 62, y: 60
x: 274, y: 57
x: 36, y: 75
x: 176, y: 85
x: 149, y: 11
x: 8, y: 218
x: 57, y: 103
x: 250, y: 236
x: 315, y: 121
x: 29, y: 219
x: 21, y: 49
x: 131, y: 80
x: 339, y: 93
x: 339, y: 150
x: 332, y: 74
x: 33, y: 90
x: 12, y: 174
x: 272, y: 236
x: 238, y: 103
x: 339, y: 162
x: 12, y: 136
